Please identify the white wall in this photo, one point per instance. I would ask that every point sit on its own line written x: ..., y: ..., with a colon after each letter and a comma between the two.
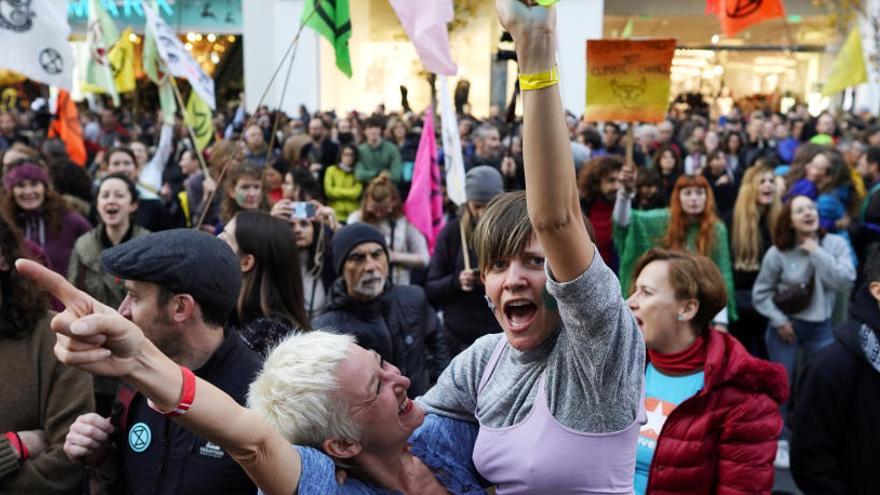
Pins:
x: 268, y: 29
x: 576, y: 22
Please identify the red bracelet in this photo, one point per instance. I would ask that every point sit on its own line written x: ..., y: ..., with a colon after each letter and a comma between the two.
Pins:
x: 187, y: 395
x: 18, y: 445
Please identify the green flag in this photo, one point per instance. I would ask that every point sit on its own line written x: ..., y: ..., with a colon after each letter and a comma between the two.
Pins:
x: 198, y: 117
x: 100, y: 36
x: 331, y: 19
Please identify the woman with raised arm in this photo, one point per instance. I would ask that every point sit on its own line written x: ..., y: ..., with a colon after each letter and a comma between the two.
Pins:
x: 558, y: 395
x: 340, y: 404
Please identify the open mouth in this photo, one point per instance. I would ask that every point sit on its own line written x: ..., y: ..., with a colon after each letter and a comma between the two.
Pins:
x: 405, y: 407
x: 519, y: 314
x: 111, y: 210
x: 639, y: 322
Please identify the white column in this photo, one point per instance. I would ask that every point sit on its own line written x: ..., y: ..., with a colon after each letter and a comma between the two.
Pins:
x: 868, y: 94
x: 576, y: 22
x: 269, y: 27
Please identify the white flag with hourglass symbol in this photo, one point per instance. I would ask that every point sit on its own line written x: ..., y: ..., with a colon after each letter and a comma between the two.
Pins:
x: 33, y: 34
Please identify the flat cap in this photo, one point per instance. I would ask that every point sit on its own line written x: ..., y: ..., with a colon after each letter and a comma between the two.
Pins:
x: 182, y: 261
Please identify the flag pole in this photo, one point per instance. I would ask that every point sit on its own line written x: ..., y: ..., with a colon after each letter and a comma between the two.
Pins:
x: 464, y: 247
x: 629, y: 145
x: 192, y: 134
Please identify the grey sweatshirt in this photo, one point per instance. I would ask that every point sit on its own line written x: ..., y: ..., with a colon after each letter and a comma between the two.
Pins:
x: 833, y: 268
x: 594, y: 365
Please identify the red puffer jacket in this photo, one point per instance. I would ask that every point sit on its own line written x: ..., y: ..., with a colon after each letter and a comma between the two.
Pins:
x: 723, y: 440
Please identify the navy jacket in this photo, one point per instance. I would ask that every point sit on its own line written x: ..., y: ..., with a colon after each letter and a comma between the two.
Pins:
x: 400, y: 325
x: 158, y: 456
x: 835, y: 437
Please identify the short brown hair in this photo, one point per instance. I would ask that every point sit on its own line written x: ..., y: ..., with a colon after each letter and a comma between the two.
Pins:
x: 692, y: 276
x: 784, y: 236
x: 504, y: 229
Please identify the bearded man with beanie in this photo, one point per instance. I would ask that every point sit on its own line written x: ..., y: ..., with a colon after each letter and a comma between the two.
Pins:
x: 396, y: 321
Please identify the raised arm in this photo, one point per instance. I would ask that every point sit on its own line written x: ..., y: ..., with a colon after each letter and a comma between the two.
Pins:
x: 97, y: 339
x: 151, y: 175
x: 551, y: 191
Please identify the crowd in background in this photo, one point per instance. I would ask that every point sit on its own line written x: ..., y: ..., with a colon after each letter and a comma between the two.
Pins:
x: 779, y: 202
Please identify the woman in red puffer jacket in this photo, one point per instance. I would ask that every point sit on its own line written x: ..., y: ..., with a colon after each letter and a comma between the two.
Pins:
x: 713, y: 409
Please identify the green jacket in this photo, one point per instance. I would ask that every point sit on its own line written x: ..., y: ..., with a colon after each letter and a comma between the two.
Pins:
x: 371, y: 161
x: 646, y: 229
x: 343, y: 191
x: 84, y: 270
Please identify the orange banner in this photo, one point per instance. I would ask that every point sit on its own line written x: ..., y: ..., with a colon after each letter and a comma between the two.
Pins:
x: 628, y: 80
x: 66, y: 126
x: 736, y: 15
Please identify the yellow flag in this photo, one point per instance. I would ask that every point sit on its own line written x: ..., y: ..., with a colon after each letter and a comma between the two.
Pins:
x: 198, y: 116
x: 121, y: 59
x: 628, y: 29
x: 849, y: 66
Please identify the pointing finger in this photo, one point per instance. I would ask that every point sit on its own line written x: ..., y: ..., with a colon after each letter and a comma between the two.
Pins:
x: 55, y: 284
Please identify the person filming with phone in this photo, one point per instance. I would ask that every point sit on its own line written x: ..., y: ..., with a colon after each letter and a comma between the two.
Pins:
x: 453, y: 284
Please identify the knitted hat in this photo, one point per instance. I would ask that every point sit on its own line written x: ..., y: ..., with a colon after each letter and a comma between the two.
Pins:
x: 350, y: 237
x: 26, y: 171
x: 483, y: 183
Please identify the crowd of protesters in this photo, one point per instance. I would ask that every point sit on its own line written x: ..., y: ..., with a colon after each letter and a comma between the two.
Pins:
x: 718, y: 292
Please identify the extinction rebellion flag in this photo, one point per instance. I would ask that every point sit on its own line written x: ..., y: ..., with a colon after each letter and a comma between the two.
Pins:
x: 331, y: 19
x: 34, y: 35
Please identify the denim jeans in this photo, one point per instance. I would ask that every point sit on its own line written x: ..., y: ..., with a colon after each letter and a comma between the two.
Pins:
x: 811, y: 337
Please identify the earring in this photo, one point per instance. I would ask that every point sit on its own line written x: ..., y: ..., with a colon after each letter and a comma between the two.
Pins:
x: 679, y: 318
x: 489, y: 303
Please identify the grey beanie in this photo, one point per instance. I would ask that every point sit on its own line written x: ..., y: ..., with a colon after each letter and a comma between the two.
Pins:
x: 482, y: 184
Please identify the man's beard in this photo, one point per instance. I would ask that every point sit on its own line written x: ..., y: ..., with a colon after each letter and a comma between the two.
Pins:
x: 370, y: 286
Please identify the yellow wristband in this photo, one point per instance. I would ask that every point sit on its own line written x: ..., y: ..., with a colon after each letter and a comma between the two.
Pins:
x: 539, y: 80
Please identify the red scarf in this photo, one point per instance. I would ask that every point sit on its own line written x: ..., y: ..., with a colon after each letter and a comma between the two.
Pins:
x: 687, y: 361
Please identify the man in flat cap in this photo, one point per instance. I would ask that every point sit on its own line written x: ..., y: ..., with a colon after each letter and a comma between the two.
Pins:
x: 181, y: 286
x: 396, y: 321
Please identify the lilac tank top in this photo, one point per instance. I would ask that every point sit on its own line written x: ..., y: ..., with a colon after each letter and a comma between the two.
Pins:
x: 540, y: 455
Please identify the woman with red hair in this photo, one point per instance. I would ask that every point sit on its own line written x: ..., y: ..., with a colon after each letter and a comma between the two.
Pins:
x: 689, y: 224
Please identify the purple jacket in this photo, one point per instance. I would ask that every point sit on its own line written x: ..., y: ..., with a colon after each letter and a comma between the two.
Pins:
x: 57, y: 245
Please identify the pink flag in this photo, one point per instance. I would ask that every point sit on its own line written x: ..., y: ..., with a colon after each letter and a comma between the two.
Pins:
x: 425, y: 23
x: 424, y: 205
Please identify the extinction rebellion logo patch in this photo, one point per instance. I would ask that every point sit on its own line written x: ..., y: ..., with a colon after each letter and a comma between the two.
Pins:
x: 139, y: 437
